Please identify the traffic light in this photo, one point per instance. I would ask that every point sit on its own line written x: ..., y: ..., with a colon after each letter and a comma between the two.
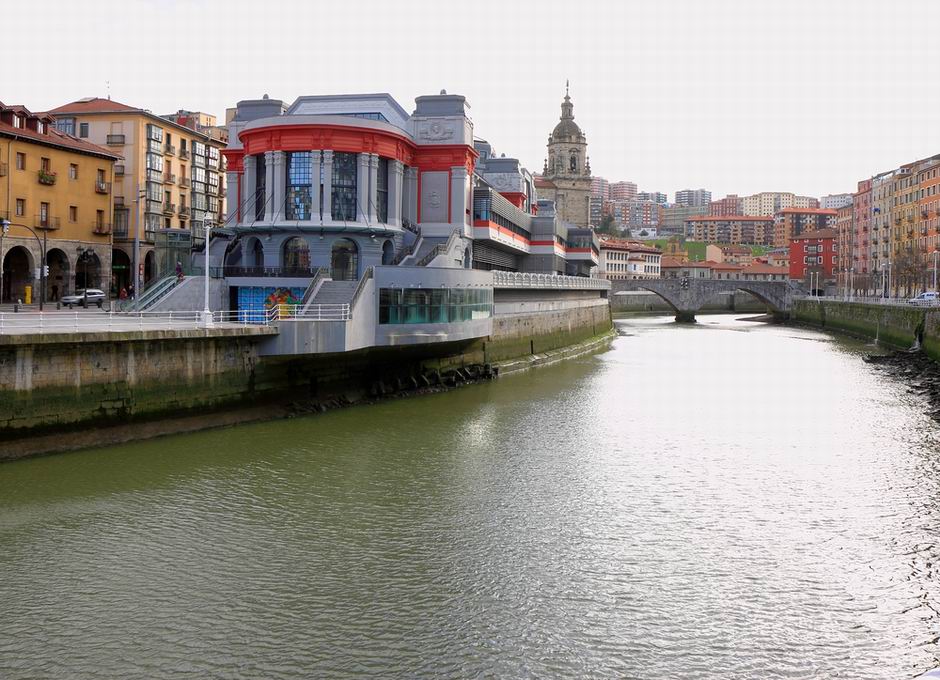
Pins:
x: 45, y: 270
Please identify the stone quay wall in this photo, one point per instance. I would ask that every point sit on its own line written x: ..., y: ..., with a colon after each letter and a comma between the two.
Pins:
x: 66, y: 391
x: 894, y: 326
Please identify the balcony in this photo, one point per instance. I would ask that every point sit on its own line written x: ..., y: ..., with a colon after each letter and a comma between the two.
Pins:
x: 100, y: 228
x: 169, y: 178
x: 118, y: 201
x: 120, y: 231
x: 184, y: 182
x: 169, y: 150
x: 184, y: 211
x: 102, y: 187
x: 46, y: 177
x: 149, y: 235
x: 118, y: 170
x: 116, y: 140
x: 897, y: 220
x: 169, y: 208
x: 3, y: 169
x: 46, y: 222
x: 184, y: 153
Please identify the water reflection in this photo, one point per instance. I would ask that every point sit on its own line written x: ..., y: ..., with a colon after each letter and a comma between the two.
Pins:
x: 727, y: 499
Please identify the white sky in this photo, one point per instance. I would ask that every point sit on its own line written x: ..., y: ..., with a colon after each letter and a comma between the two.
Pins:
x: 734, y: 96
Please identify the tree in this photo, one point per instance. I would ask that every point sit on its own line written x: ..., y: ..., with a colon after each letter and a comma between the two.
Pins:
x: 607, y: 226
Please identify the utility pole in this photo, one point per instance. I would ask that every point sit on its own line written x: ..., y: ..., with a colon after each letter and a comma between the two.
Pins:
x: 137, y: 240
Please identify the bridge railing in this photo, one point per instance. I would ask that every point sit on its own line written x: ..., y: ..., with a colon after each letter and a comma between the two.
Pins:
x: 533, y: 280
x: 869, y: 300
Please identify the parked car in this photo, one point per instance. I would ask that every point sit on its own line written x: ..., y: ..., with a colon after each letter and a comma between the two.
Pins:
x: 928, y: 299
x: 92, y: 296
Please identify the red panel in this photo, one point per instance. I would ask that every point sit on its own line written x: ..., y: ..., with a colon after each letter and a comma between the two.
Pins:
x: 332, y: 137
x: 517, y: 198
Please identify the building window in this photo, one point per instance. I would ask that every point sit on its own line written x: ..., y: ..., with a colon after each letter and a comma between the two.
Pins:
x: 20, y: 207
x: 20, y: 161
x: 296, y: 255
x: 299, y: 180
x: 344, y: 187
x: 44, y: 164
x: 99, y: 218
x: 83, y: 129
x: 73, y: 171
x: 381, y: 185
x: 434, y: 305
x: 73, y: 213
x: 66, y: 125
x: 260, y: 192
x: 100, y: 176
x: 17, y: 122
x: 43, y: 214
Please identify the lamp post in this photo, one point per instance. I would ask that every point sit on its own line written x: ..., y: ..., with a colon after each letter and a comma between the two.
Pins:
x: 206, y: 312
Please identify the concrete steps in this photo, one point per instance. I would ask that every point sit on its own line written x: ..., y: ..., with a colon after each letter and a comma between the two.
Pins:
x: 335, y: 292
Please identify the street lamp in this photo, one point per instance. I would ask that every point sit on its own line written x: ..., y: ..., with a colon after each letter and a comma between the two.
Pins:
x: 206, y: 312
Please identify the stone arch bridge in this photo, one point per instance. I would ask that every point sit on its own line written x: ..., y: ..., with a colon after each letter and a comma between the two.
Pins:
x: 687, y: 296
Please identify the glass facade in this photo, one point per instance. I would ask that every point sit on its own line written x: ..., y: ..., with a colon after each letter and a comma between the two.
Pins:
x: 296, y: 255
x: 344, y: 187
x: 434, y: 305
x: 381, y: 185
x: 299, y: 182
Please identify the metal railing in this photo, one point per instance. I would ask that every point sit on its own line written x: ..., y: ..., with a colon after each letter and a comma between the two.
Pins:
x: 102, y: 187
x: 261, y: 271
x: 169, y: 150
x: 439, y: 249
x: 503, y: 279
x: 408, y: 251
x: 366, y: 277
x: 184, y: 153
x: 318, y: 276
x: 46, y: 222
x: 869, y: 300
x: 101, y: 228
x: 115, y: 140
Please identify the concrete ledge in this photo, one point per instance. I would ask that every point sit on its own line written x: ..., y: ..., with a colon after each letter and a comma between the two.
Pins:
x: 97, y: 336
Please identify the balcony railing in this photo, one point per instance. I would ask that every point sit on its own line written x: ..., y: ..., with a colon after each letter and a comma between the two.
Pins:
x: 46, y: 177
x: 46, y: 222
x: 102, y: 228
x: 298, y: 272
x: 116, y: 140
x: 184, y: 211
x: 120, y: 231
x: 169, y: 208
x: 184, y: 153
x: 102, y: 187
x: 169, y: 178
x: 184, y: 182
x: 118, y: 170
x: 169, y: 150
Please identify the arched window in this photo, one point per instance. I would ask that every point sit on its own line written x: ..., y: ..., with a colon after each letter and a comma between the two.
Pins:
x: 296, y: 255
x: 574, y: 163
x: 388, y: 252
x: 344, y: 260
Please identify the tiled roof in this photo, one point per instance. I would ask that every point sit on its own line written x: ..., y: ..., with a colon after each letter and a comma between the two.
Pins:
x: 544, y: 183
x: 761, y: 268
x: 54, y: 137
x: 631, y: 246
x: 808, y: 211
x: 92, y: 105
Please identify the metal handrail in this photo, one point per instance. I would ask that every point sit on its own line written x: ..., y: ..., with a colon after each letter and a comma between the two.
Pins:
x: 366, y: 276
x: 408, y: 251
x: 318, y: 276
x: 439, y: 249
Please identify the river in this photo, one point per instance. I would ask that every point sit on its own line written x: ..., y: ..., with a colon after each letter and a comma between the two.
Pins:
x: 724, y: 500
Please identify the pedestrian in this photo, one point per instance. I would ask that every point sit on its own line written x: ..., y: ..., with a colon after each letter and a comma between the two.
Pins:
x: 179, y: 272
x: 130, y: 291
x: 123, y: 293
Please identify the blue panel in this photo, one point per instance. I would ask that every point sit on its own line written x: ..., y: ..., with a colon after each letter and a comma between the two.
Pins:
x: 254, y: 301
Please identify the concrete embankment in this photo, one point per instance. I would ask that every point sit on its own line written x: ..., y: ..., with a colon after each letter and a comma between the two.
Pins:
x: 894, y: 326
x: 69, y: 391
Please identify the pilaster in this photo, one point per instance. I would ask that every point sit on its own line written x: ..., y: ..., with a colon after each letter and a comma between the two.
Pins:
x: 372, y: 208
x: 268, y: 186
x: 315, y: 185
x: 410, y: 196
x: 232, y: 181
x: 327, y: 187
x: 458, y: 195
x: 396, y: 171
x: 248, y: 181
x: 280, y: 186
x: 362, y: 187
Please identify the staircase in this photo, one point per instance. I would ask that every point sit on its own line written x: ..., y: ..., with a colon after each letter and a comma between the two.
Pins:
x: 156, y: 292
x: 335, y: 293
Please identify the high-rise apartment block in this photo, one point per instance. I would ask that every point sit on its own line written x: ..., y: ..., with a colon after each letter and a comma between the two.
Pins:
x: 600, y: 187
x: 693, y: 198
x: 835, y: 201
x: 653, y: 197
x: 732, y: 204
x: 622, y: 191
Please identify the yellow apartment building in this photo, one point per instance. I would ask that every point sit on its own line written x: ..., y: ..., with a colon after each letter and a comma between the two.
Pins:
x: 170, y: 183
x: 56, y: 192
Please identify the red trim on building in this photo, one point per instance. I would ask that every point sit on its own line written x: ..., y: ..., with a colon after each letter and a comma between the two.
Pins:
x: 310, y: 136
x: 517, y: 198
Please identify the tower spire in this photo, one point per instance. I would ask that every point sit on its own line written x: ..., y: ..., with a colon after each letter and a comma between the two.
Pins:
x: 566, y: 87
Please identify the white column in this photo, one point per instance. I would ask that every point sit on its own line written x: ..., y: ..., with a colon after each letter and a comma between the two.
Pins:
x: 362, y: 187
x: 396, y: 176
x: 458, y: 196
x: 315, y: 185
x: 247, y: 184
x: 410, y: 196
x: 232, y: 181
x: 268, y: 186
x: 327, y: 186
x: 372, y: 209
x: 280, y: 186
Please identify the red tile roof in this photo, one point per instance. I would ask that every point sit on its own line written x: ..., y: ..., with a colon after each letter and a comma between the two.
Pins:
x: 761, y: 268
x: 55, y: 138
x: 543, y: 183
x: 631, y: 246
x: 809, y: 211
x: 92, y: 105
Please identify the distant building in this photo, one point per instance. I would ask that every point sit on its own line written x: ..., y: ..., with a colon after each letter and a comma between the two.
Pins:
x: 645, y: 215
x: 675, y: 268
x: 835, y: 201
x: 674, y: 217
x: 728, y: 254
x: 600, y: 188
x: 778, y: 257
x: 693, y: 198
x: 791, y: 222
x: 622, y: 191
x: 622, y: 260
x: 772, y: 202
x: 759, y: 271
x: 731, y: 229
x: 731, y: 204
x: 813, y: 253
x: 653, y: 197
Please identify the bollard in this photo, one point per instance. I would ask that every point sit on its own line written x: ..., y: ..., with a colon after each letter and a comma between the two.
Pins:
x: 16, y: 306
x: 58, y: 305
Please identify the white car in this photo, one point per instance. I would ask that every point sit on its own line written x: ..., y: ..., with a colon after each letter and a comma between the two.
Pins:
x: 92, y: 296
x: 928, y: 299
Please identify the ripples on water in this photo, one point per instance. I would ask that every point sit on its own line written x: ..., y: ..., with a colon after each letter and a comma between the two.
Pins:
x: 728, y: 500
